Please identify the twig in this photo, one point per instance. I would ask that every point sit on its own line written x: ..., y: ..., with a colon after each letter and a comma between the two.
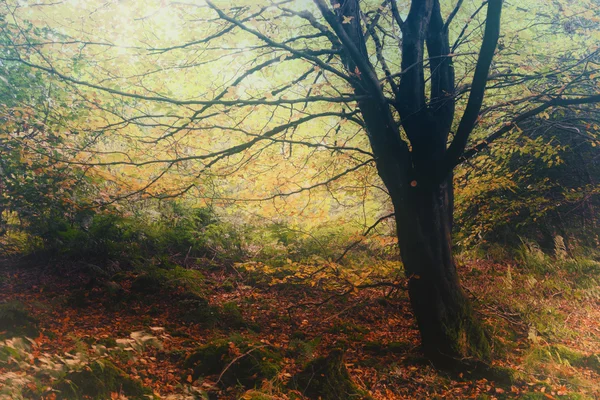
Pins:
x: 369, y: 229
x: 236, y: 359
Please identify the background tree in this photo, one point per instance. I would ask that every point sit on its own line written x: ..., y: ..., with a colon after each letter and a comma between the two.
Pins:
x: 273, y: 75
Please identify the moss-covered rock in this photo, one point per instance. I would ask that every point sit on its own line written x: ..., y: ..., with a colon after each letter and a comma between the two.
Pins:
x: 15, y: 320
x: 240, y: 361
x: 231, y: 316
x: 198, y: 310
x: 326, y: 378
x: 97, y: 381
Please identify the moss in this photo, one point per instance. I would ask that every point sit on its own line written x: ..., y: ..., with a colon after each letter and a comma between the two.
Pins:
x: 120, y: 277
x: 562, y: 354
x: 302, y: 350
x: 498, y: 374
x: 298, y: 335
x: 146, y: 284
x: 347, y: 328
x: 327, y: 378
x: 199, y: 310
x: 478, y: 342
x: 15, y: 320
x: 228, y: 286
x: 97, y: 381
x: 250, y: 363
x: 114, y: 290
x: 155, y: 279
x: 176, y: 356
x: 231, y: 316
x: 593, y: 362
x: 107, y: 342
x: 254, y: 395
x: 468, y: 337
x: 545, y: 396
x: 380, y: 348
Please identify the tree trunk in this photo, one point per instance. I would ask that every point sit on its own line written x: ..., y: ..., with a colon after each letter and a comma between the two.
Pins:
x: 423, y: 209
x: 423, y: 206
x: 449, y: 329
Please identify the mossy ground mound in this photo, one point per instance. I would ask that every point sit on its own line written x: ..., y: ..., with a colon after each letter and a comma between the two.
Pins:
x: 200, y: 311
x: 561, y: 354
x: 99, y: 380
x: 327, y: 378
x: 379, y: 348
x: 146, y: 284
x: 156, y: 279
x: 240, y: 361
x: 16, y: 321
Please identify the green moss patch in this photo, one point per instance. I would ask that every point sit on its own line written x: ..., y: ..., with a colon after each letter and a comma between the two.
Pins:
x: 238, y: 360
x: 326, y: 378
x: 562, y: 354
x: 200, y: 311
x: 155, y: 279
x: 146, y: 284
x: 97, y: 381
x: 15, y: 320
x: 380, y: 348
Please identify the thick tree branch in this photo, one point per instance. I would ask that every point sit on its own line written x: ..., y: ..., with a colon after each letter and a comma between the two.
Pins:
x: 469, y: 118
x: 410, y: 101
x: 355, y: 47
x: 396, y: 14
x: 442, y: 74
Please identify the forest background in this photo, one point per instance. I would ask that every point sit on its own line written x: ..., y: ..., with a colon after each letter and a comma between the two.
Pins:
x: 153, y: 138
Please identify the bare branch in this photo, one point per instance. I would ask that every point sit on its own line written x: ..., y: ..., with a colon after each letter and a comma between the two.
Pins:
x: 305, y: 54
x: 507, y: 127
x: 469, y: 118
x: 365, y: 233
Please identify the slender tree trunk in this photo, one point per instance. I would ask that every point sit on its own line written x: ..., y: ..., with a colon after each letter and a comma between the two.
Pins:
x: 449, y: 330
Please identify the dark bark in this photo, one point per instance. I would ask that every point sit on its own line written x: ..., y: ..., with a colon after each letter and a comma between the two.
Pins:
x: 449, y: 330
x: 418, y: 177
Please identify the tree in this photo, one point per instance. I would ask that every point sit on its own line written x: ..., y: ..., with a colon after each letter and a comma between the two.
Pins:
x: 409, y: 115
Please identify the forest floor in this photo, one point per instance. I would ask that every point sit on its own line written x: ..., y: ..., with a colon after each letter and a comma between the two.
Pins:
x: 546, y: 331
